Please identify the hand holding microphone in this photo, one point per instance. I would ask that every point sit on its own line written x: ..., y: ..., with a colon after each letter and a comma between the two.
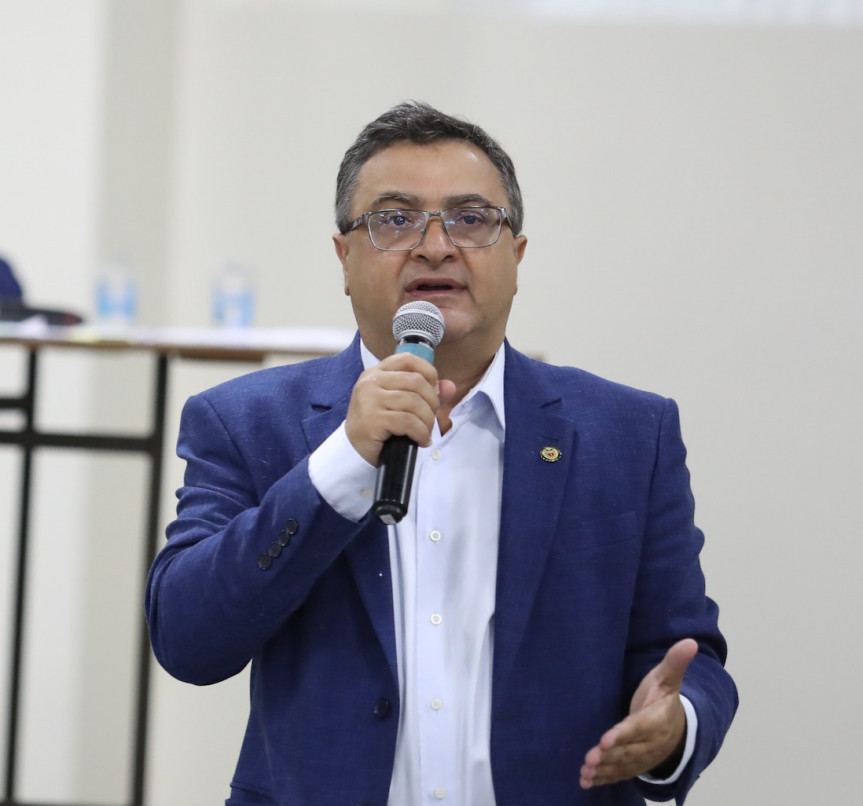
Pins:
x: 393, y: 407
x: 418, y: 328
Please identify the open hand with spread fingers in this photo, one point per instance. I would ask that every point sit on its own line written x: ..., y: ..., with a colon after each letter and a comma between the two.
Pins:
x: 651, y: 739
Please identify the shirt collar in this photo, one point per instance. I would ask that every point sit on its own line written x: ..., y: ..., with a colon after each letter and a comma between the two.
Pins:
x: 490, y: 385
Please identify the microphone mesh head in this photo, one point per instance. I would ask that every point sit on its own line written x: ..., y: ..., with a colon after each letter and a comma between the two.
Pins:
x: 420, y: 319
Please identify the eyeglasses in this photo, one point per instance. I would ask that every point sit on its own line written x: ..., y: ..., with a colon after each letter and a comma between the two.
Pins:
x: 403, y: 230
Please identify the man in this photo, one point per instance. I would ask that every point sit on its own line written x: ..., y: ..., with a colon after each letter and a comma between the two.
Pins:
x: 535, y: 630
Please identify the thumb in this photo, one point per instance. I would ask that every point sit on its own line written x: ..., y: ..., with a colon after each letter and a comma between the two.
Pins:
x: 676, y: 662
x: 446, y: 391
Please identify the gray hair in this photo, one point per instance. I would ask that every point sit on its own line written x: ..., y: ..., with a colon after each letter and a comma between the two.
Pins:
x: 417, y: 122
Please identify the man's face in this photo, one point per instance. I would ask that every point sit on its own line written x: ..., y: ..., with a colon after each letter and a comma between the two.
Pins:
x: 472, y: 287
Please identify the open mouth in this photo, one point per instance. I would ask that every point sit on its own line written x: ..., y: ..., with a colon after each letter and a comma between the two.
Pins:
x: 432, y: 287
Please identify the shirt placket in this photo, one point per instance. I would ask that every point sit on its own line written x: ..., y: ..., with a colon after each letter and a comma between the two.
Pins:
x: 438, y: 731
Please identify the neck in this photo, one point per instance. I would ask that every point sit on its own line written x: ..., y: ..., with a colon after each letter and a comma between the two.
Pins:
x: 464, y: 374
x: 465, y: 371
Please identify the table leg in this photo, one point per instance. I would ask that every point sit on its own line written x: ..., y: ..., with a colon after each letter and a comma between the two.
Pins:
x: 27, y: 405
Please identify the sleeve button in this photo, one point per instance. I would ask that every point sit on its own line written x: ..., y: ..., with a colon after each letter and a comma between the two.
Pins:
x: 264, y: 562
x: 291, y: 526
x: 275, y: 549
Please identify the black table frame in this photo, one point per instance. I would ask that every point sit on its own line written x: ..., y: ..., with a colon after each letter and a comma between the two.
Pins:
x: 29, y: 438
x: 151, y: 444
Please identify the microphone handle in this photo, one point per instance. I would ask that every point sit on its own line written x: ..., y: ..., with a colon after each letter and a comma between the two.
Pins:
x: 399, y: 453
x: 395, y: 474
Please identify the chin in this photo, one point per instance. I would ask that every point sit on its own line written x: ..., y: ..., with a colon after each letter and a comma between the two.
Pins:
x: 455, y: 335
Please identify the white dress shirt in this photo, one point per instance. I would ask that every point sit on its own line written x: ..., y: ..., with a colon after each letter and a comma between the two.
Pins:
x: 443, y: 556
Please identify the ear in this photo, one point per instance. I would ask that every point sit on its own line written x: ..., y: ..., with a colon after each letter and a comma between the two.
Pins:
x: 519, y: 245
x: 341, y: 243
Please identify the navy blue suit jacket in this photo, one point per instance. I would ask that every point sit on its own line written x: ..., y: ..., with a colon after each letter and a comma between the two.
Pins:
x: 598, y: 574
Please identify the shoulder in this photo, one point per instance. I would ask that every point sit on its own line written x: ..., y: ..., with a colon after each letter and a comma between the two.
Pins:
x: 262, y: 414
x: 571, y: 386
x: 270, y: 381
x: 297, y: 383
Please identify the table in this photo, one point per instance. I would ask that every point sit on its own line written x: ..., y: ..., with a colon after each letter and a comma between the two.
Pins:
x: 164, y: 345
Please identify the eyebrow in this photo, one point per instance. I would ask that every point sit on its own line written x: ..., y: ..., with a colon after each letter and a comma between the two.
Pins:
x: 413, y: 202
x: 394, y: 197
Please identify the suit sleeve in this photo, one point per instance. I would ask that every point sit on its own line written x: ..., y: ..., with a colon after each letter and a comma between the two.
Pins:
x: 238, y: 561
x: 671, y: 604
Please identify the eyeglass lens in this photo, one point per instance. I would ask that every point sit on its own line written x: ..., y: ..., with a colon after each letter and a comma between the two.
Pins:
x: 466, y: 227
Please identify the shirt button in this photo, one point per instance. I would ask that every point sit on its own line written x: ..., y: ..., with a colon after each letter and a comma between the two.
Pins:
x: 439, y: 792
x: 435, y: 454
x: 436, y: 619
x: 434, y: 536
x: 436, y: 704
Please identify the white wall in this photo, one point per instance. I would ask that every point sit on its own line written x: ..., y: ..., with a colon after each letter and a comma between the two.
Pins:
x: 693, y: 209
x: 51, y: 97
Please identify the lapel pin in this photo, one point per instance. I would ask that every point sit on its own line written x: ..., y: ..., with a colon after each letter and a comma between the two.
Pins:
x: 550, y: 454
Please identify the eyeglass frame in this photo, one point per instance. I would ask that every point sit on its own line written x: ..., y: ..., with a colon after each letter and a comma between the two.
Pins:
x: 365, y: 218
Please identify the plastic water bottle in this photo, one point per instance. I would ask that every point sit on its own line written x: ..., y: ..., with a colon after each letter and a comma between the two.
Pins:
x: 233, y: 295
x: 116, y: 295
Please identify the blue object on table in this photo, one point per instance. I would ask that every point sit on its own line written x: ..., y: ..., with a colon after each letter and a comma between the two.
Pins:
x: 14, y: 309
x: 9, y: 285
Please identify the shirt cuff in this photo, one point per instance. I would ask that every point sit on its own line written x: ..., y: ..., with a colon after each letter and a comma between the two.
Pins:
x: 342, y: 477
x: 688, y: 750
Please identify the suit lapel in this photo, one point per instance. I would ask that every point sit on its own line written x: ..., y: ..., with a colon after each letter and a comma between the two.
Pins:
x: 368, y: 554
x: 533, y: 489
x: 331, y: 388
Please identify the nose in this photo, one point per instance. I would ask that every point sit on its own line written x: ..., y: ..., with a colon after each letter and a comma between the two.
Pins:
x: 436, y: 243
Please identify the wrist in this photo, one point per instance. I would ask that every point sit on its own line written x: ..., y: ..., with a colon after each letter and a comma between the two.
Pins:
x: 665, y: 769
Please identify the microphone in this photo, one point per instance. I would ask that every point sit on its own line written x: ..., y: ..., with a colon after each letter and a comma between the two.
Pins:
x: 418, y: 328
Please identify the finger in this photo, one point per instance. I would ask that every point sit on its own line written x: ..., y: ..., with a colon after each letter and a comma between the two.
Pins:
x: 603, y: 758
x: 391, y: 399
x: 383, y: 412
x: 409, y: 395
x: 620, y: 763
x: 603, y: 767
x: 588, y: 769
x: 408, y: 362
x: 620, y: 732
x: 405, y: 372
x: 676, y: 661
x: 635, y: 745
x: 407, y: 415
x: 446, y: 391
